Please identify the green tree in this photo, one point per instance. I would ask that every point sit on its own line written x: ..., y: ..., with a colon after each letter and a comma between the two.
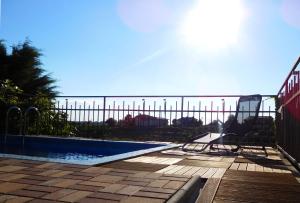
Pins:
x: 23, y: 67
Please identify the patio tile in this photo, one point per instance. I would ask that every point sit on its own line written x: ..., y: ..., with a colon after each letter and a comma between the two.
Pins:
x: 153, y: 195
x: 174, y: 185
x: 10, y: 177
x: 43, y: 201
x: 136, y: 183
x: 10, y: 187
x: 77, y: 177
x: 75, y: 196
x: 86, y: 187
x: 95, y: 200
x: 108, y: 196
x: 48, y: 165
x: 158, y: 190
x: 107, y: 178
x: 129, y: 190
x: 11, y: 168
x: 28, y: 181
x: 42, y: 188
x: 142, y: 199
x: 15, y: 199
x: 28, y: 193
x: 92, y: 183
x: 98, y: 170
x: 113, y: 188
x: 58, y: 194
x: 158, y: 183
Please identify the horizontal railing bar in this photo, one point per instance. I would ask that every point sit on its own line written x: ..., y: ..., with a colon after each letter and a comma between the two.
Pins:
x: 157, y: 110
x: 155, y: 96
x: 289, y: 75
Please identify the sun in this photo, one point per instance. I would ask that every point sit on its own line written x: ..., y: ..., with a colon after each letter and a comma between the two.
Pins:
x: 212, y: 24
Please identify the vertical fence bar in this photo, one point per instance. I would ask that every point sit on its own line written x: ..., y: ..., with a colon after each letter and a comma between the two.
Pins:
x: 103, y: 111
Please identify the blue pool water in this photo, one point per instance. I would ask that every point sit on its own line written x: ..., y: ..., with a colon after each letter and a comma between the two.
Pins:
x: 75, y: 151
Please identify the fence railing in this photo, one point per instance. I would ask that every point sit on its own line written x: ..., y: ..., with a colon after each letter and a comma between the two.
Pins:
x: 154, y: 111
x: 288, y: 116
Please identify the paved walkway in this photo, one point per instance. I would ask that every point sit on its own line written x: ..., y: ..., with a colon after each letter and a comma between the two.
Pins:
x: 153, y: 178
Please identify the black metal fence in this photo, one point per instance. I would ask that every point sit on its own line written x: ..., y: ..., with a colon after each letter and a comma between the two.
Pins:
x: 288, y: 115
x: 141, y: 112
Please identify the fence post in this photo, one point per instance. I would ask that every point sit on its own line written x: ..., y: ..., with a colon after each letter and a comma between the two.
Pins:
x: 182, y: 100
x: 104, y: 108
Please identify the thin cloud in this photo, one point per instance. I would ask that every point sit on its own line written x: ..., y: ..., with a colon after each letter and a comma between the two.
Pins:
x: 150, y: 57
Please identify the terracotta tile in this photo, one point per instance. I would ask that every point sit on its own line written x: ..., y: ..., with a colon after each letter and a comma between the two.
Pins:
x: 43, y: 201
x: 60, y: 182
x: 49, y: 172
x: 108, y: 196
x: 107, y: 178
x: 152, y: 195
x: 11, y: 168
x: 42, y: 188
x: 10, y: 177
x: 4, y: 198
x: 92, y: 183
x: 85, y: 187
x: 159, y: 190
x: 126, y: 182
x: 140, y: 174
x: 75, y: 196
x: 18, y: 199
x: 48, y: 165
x: 77, y: 177
x: 98, y: 170
x: 95, y: 200
x: 61, y: 174
x: 28, y: 181
x: 28, y: 193
x: 129, y: 190
x: 142, y: 199
x: 158, y: 183
x: 113, y: 188
x: 174, y: 185
x: 10, y: 187
x: 58, y: 194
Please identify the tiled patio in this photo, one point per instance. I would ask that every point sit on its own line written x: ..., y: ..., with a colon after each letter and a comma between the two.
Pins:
x: 154, y: 177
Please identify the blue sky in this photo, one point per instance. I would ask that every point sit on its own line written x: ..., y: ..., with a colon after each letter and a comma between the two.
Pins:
x: 121, y: 47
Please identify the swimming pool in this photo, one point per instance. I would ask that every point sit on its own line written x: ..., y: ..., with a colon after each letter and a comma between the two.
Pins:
x: 75, y: 150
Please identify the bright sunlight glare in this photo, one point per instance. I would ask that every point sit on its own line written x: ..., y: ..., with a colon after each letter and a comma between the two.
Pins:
x: 212, y: 24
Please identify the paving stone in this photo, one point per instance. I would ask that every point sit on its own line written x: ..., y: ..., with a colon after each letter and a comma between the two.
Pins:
x: 41, y: 178
x: 158, y: 183
x: 129, y: 190
x: 158, y: 190
x: 174, y: 185
x: 113, y: 188
x: 85, y: 187
x: 61, y: 182
x: 85, y: 174
x: 58, y: 194
x: 49, y: 172
x: 28, y: 181
x: 95, y: 200
x: 18, y: 199
x: 153, y: 195
x: 11, y: 168
x: 107, y: 178
x: 108, y: 196
x: 142, y: 199
x: 127, y: 182
x: 28, y: 193
x: 49, y: 165
x: 44, y: 201
x: 42, y: 188
x: 10, y: 177
x: 77, y: 177
x: 147, y: 180
x: 10, y: 187
x: 92, y: 183
x: 4, y: 198
x: 98, y: 170
x: 75, y: 196
x: 140, y: 174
